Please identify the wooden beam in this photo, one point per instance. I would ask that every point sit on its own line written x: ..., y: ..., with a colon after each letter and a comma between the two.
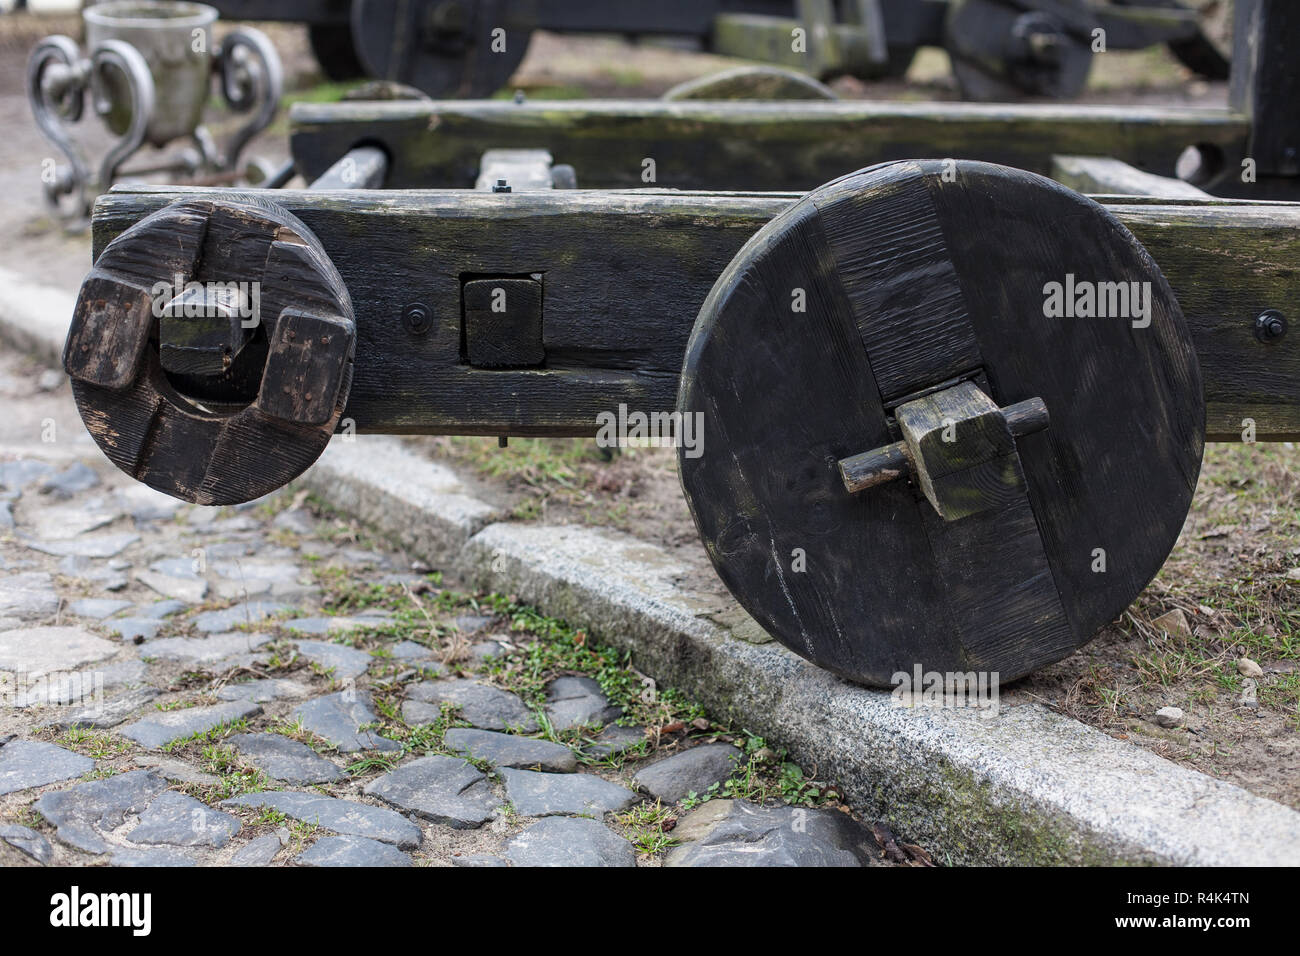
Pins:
x: 743, y: 145
x: 824, y: 48
x: 1101, y: 175
x: 625, y: 274
x: 1266, y: 82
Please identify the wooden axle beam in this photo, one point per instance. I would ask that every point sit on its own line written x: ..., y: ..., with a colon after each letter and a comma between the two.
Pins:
x: 622, y: 276
x: 747, y: 145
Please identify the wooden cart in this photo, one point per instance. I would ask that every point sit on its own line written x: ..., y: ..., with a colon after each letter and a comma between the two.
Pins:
x: 951, y: 410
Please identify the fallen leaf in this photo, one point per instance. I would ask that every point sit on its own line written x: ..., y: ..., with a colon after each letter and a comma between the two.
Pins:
x: 918, y: 855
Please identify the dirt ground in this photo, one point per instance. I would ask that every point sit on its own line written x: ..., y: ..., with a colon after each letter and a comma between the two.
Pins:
x: 1234, y: 575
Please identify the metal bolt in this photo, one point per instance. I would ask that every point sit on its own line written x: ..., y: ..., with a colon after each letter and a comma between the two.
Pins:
x: 417, y: 318
x: 501, y: 187
x: 1270, y: 325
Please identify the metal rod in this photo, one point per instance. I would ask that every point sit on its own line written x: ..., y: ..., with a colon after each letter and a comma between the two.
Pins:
x: 362, y: 167
x: 881, y: 465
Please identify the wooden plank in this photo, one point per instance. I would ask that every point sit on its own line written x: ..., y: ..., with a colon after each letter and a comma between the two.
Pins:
x: 894, y: 267
x: 1101, y: 174
x: 298, y: 11
x: 828, y: 48
x: 664, y: 17
x: 626, y: 274
x: 744, y: 145
x: 1266, y: 82
x: 1227, y: 265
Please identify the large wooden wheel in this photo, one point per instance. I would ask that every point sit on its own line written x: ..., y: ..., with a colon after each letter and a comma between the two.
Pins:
x: 446, y: 48
x: 1022, y: 467
x: 232, y: 388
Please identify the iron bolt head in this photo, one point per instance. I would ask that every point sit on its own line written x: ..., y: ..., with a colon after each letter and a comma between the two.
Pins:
x: 417, y: 318
x: 1270, y: 325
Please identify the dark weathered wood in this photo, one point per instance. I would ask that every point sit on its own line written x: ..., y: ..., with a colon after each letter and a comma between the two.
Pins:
x: 963, y: 451
x: 744, y: 145
x: 503, y: 322
x: 202, y: 333
x: 303, y: 11
x: 1266, y: 82
x: 161, y: 429
x: 829, y: 48
x: 307, y: 366
x: 444, y: 49
x: 1227, y: 264
x: 891, y: 462
x: 108, y: 310
x: 876, y: 467
x: 625, y: 274
x: 217, y: 356
x: 784, y: 395
x: 331, y: 44
x: 900, y: 281
x: 1002, y: 52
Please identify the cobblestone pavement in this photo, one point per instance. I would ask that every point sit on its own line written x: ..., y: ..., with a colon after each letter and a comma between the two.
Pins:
x: 265, y: 685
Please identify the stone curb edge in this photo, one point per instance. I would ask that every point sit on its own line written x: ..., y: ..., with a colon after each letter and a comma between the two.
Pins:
x: 1028, y: 786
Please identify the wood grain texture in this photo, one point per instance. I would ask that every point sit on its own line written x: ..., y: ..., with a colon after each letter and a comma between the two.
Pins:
x: 503, y: 322
x: 962, y: 450
x: 890, y: 258
x: 1117, y: 468
x: 151, y: 425
x: 417, y: 43
x: 743, y: 145
x: 626, y: 272
x: 783, y: 399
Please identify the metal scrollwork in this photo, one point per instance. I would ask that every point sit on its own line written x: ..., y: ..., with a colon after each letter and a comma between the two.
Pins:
x: 56, y: 87
x: 132, y: 90
x: 252, y: 80
x: 142, y: 97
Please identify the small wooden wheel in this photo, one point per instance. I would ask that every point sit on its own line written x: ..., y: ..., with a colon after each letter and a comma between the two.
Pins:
x: 447, y: 48
x: 211, y: 350
x: 1000, y: 372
